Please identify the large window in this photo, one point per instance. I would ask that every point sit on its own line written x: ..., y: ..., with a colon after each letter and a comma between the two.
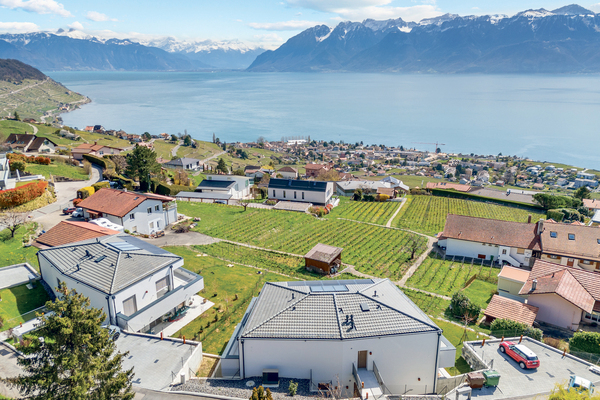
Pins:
x: 162, y: 287
x: 594, y: 316
x: 130, y: 306
x: 520, y: 251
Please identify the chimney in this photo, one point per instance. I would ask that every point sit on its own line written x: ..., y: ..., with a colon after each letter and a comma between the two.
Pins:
x: 533, y: 285
x: 540, y: 226
x: 529, y: 219
x: 95, y: 143
x: 125, y: 190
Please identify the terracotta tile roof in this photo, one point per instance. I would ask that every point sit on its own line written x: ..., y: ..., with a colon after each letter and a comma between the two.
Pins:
x: 87, y: 147
x: 445, y: 185
x: 314, y: 166
x: 288, y: 169
x: 585, y: 243
x: 323, y: 252
x: 516, y: 274
x: 113, y: 202
x: 483, y: 230
x: 578, y: 286
x: 504, y: 308
x: 388, y: 191
x: 592, y: 204
x: 73, y: 231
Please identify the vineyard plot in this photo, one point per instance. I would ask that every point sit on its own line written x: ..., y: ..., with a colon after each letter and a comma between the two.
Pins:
x: 427, y: 214
x: 373, y: 212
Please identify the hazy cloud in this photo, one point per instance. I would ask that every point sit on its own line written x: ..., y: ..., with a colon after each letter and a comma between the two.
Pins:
x: 282, y: 26
x: 269, y: 37
x: 76, y: 25
x: 18, y: 27
x: 37, y: 6
x: 98, y: 17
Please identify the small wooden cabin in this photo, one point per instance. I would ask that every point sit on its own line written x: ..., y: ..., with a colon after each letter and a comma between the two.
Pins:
x: 324, y: 259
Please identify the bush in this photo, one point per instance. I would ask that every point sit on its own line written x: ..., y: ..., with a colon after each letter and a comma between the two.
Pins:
x: 462, y: 306
x: 21, y: 195
x: 17, y: 165
x: 383, y: 197
x: 28, y: 159
x: 99, y: 185
x: 503, y: 327
x: 171, y: 190
x: 588, y: 342
x: 102, y: 162
x: 368, y: 197
x: 76, y: 202
x: 85, y: 192
x: 293, y: 388
x: 556, y: 215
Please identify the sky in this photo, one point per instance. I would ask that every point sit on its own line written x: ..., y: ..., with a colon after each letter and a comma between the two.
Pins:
x: 257, y: 22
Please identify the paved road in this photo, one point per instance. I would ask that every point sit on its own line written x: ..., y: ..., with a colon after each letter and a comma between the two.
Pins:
x: 147, y: 394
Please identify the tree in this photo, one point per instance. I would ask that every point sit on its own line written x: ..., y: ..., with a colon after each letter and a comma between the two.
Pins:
x: 174, y: 138
x: 358, y: 194
x: 239, y: 172
x: 146, y: 136
x: 17, y: 117
x: 413, y: 245
x: 214, y: 139
x: 187, y: 140
x: 582, y: 193
x: 12, y: 221
x: 331, y: 176
x: 141, y: 162
x: 120, y: 163
x: 265, y: 179
x: 244, y: 204
x: 76, y: 359
x: 222, y: 166
x: 17, y: 165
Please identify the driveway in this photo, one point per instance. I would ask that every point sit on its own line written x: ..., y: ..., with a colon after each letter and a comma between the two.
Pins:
x: 8, y: 368
x: 181, y: 239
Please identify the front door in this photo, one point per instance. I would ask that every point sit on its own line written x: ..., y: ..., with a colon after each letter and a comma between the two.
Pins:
x: 362, y: 359
x: 569, y: 262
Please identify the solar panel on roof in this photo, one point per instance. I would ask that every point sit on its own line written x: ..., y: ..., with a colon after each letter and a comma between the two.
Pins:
x: 328, y: 288
x: 124, y: 246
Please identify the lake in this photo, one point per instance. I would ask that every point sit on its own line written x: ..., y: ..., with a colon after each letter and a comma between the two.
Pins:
x: 545, y: 117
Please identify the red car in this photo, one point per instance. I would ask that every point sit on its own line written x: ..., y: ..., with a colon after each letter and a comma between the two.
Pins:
x: 68, y: 210
x: 521, y: 354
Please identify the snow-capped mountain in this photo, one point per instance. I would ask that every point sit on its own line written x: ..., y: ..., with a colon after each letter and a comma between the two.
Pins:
x: 565, y: 40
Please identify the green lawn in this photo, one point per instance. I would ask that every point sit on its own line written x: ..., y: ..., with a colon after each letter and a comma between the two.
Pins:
x: 481, y: 292
x: 12, y: 250
x: 431, y: 305
x: 427, y: 214
x: 373, y: 212
x: 373, y: 250
x: 163, y: 149
x: 202, y: 151
x: 56, y: 169
x: 17, y: 302
x: 455, y: 334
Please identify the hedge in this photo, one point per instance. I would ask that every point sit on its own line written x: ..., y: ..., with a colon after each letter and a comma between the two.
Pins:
x: 504, y: 327
x: 29, y: 159
x: 588, y: 342
x: 99, y: 185
x: 21, y: 195
x: 103, y: 162
x: 85, y: 192
x: 556, y: 215
x: 166, y: 190
x: 468, y: 196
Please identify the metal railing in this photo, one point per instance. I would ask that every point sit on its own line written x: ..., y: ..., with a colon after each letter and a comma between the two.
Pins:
x: 384, y: 389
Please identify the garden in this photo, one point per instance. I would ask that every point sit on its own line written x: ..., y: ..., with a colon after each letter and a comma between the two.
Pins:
x: 18, y: 304
x: 12, y: 250
x: 427, y: 214
x: 373, y: 212
x: 374, y: 250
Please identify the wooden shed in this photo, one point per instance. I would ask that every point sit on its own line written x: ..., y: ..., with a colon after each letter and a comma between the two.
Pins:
x: 324, y: 259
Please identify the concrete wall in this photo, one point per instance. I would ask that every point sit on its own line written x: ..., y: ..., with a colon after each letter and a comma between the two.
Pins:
x: 509, y: 286
x: 556, y: 311
x: 288, y: 175
x: 405, y: 362
x: 465, y: 248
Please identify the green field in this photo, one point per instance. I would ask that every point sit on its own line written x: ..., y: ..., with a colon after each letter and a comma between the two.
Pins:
x: 431, y: 305
x: 12, y: 250
x: 18, y: 302
x: 427, y: 214
x: 373, y: 212
x: 163, y: 149
x: 373, y: 250
x: 455, y: 334
x: 57, y: 169
x: 446, y: 277
x: 202, y: 151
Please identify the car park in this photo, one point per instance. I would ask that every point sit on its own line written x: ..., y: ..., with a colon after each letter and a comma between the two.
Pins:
x: 580, y: 384
x: 521, y: 354
x: 68, y: 210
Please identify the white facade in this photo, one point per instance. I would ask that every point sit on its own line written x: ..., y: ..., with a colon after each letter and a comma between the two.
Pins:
x: 556, y: 311
x: 240, y: 190
x: 307, y: 196
x: 149, y: 217
x: 288, y: 174
x: 489, y: 252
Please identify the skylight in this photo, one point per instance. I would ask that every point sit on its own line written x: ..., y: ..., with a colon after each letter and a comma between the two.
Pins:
x: 124, y: 246
x: 571, y: 236
x: 553, y: 234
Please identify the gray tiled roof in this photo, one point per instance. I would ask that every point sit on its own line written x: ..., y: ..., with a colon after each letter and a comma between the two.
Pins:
x: 115, y: 271
x: 210, y: 184
x: 314, y: 310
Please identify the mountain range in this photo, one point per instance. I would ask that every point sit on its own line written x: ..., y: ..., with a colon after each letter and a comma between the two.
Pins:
x: 75, y: 50
x: 565, y: 40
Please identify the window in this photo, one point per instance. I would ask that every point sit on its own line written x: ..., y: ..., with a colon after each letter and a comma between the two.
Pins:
x: 553, y: 234
x: 294, y: 194
x: 302, y: 195
x: 594, y: 316
x: 571, y: 236
x: 151, y: 225
x: 503, y: 251
x: 162, y: 287
x: 520, y: 251
x: 284, y: 194
x: 274, y: 195
x: 132, y: 216
x: 157, y: 224
x: 149, y: 210
x: 552, y: 256
x: 586, y: 262
x: 598, y: 240
x: 247, y: 182
x: 156, y: 208
x: 130, y: 306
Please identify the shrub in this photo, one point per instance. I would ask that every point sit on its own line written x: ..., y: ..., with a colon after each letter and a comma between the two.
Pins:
x: 76, y: 203
x: 17, y: 165
x: 462, y: 306
x: 503, y: 327
x: 293, y: 388
x: 85, y: 192
x: 171, y: 190
x: 383, y: 197
x: 99, y: 185
x: 368, y: 197
x: 588, y: 342
x: 102, y: 162
x: 87, y: 167
x: 556, y: 215
x: 21, y: 195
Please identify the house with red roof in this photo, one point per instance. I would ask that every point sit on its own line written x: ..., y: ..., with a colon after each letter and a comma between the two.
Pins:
x: 70, y: 232
x: 94, y: 149
x: 145, y: 213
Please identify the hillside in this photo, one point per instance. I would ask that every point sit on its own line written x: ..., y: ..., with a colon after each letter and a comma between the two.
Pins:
x: 565, y: 40
x: 32, y: 94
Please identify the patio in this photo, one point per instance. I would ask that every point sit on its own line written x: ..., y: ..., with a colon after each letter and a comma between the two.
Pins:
x: 198, y: 306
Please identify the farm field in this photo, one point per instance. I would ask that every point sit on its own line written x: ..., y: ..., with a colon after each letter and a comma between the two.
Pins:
x: 163, y: 149
x: 427, y: 214
x: 373, y: 250
x: 373, y: 212
x: 446, y: 276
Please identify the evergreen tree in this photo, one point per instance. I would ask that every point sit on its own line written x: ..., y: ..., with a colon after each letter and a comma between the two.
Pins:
x: 17, y: 118
x: 77, y: 359
x: 582, y: 193
x: 146, y: 136
x: 222, y: 166
x: 214, y: 138
x: 140, y: 164
x: 187, y: 140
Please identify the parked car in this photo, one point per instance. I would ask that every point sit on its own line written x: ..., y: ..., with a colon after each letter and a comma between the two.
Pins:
x: 580, y: 384
x: 78, y: 213
x: 113, y: 331
x: 68, y: 210
x: 521, y: 354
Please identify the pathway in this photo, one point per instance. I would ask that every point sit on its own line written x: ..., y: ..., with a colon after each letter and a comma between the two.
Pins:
x: 174, y: 149
x: 24, y: 88
x: 208, y: 159
x: 35, y: 129
x: 389, y: 223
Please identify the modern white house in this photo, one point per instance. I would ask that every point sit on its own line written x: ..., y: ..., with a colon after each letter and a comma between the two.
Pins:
x: 315, y: 192
x: 184, y: 163
x: 230, y: 186
x: 136, y: 212
x: 138, y: 285
x: 288, y: 172
x: 341, y: 332
x: 347, y: 188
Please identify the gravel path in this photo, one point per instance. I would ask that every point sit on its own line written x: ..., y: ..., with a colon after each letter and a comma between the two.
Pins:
x: 239, y: 389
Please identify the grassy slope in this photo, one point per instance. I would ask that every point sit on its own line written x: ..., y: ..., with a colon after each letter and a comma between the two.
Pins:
x: 12, y: 250
x: 376, y: 213
x: 202, y: 151
x: 19, y: 300
x: 455, y: 334
x: 68, y: 171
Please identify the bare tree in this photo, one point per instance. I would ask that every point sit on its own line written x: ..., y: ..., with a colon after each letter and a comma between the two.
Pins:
x: 12, y: 221
x: 467, y: 319
x: 413, y: 245
x: 244, y: 204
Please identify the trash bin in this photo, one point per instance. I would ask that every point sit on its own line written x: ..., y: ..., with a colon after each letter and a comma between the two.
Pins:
x: 492, y: 378
x: 475, y: 380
